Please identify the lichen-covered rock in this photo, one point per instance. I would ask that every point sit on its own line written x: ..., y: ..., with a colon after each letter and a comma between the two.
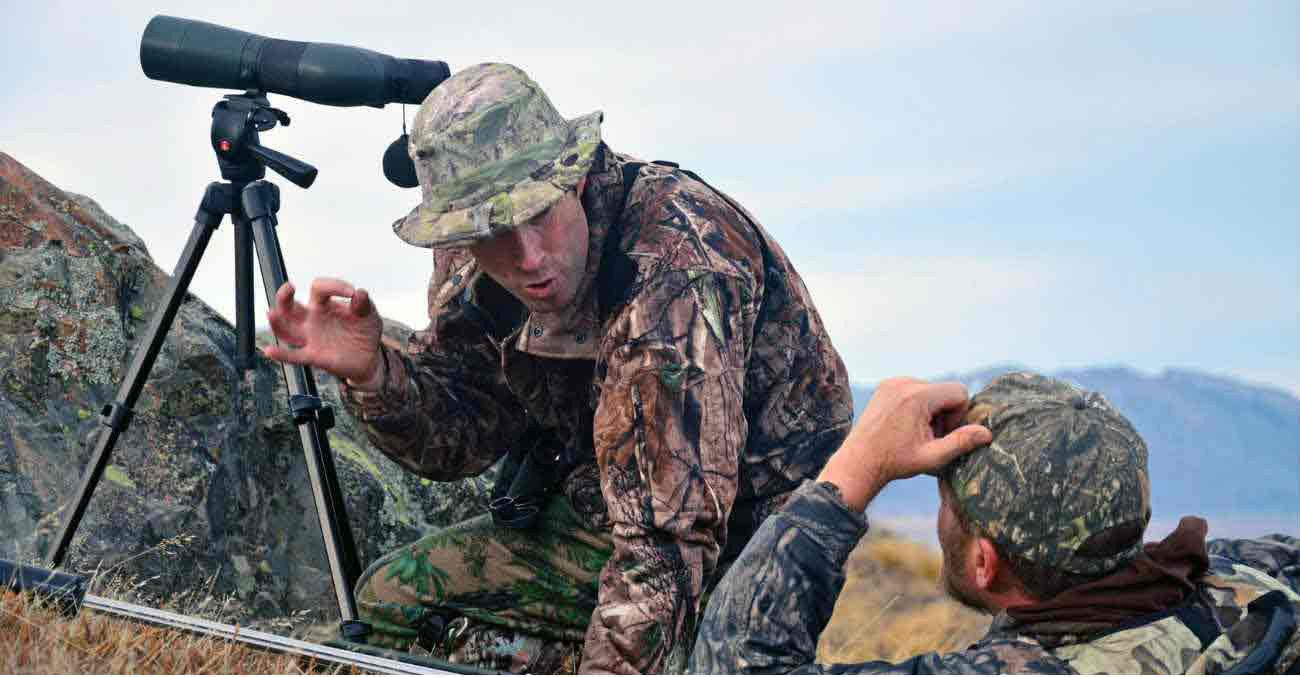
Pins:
x: 207, y: 490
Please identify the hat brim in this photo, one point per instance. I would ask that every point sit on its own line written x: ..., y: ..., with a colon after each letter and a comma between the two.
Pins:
x: 442, y: 223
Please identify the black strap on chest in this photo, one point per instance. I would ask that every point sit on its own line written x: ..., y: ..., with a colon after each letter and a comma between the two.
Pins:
x: 618, y: 271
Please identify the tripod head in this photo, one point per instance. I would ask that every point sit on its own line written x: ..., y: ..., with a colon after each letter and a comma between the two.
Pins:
x: 236, y: 121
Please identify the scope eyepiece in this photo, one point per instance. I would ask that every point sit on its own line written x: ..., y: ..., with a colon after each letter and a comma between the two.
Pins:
x: 198, y: 53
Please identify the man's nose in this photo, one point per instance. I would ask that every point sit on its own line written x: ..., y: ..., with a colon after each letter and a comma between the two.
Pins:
x: 528, y: 249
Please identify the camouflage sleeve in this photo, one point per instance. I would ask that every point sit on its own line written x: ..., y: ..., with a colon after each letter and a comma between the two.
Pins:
x: 444, y: 410
x: 1275, y: 555
x: 768, y: 612
x: 669, y: 430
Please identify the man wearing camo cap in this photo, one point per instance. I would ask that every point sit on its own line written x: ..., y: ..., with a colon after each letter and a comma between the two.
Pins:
x: 633, y: 343
x: 1041, y: 525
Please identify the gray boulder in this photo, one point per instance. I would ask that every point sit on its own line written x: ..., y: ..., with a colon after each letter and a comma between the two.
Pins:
x: 207, y: 496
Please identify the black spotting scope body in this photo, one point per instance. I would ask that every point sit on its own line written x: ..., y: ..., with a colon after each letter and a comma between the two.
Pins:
x: 207, y: 55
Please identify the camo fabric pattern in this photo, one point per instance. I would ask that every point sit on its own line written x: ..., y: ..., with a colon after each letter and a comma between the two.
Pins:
x: 491, y: 152
x: 1273, y: 555
x: 1064, y: 481
x: 1242, y: 571
x: 504, y: 599
x: 692, y: 387
x: 769, y: 610
x: 1165, y: 647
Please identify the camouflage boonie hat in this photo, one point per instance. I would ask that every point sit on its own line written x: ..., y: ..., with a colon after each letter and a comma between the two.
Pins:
x: 491, y: 152
x: 1064, y: 482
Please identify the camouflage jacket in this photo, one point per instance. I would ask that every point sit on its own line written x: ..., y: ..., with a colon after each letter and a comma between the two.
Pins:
x: 691, y: 384
x: 767, y: 613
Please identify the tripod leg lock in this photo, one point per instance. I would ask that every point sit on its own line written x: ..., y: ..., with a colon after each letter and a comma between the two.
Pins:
x: 218, y: 200
x: 306, y: 408
x: 260, y: 199
x: 116, y: 416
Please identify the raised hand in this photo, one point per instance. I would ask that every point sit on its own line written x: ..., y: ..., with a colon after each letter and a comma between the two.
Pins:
x: 908, y: 428
x: 338, y: 331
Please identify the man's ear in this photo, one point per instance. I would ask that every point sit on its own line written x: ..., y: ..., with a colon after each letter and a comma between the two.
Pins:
x: 582, y: 185
x: 986, y: 564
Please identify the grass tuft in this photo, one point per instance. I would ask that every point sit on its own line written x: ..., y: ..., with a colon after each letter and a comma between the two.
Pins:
x: 892, y: 607
x: 36, y: 639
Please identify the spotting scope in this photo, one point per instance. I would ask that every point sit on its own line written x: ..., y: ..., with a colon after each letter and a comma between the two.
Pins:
x: 207, y: 55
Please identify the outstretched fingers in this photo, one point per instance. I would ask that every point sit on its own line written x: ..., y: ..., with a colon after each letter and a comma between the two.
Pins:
x: 361, y: 304
x: 285, y: 303
x: 287, y: 355
x: 286, y: 317
x: 284, y: 295
x: 325, y: 288
x: 285, y: 328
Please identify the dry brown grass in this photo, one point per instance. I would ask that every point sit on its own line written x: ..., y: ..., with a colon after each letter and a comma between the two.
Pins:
x: 892, y: 607
x: 36, y: 639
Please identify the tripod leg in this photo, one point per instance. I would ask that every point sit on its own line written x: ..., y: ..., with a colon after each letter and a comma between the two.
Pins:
x: 244, y: 326
x: 260, y: 201
x: 117, y: 416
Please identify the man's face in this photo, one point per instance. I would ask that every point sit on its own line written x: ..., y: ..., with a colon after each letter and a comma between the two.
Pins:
x: 955, y: 543
x: 542, y: 262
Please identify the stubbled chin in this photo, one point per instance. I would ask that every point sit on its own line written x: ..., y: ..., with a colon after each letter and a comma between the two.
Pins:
x: 544, y: 305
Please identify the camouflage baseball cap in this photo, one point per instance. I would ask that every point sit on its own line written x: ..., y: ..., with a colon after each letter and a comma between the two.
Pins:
x: 491, y: 153
x: 1064, y: 482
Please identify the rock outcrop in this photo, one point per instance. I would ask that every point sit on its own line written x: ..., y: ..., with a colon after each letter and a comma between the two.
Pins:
x: 208, y: 487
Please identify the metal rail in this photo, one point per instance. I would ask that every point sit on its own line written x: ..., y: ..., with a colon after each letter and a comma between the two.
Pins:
x: 263, y: 640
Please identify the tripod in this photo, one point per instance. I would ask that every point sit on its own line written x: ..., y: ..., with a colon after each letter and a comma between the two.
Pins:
x: 252, y: 204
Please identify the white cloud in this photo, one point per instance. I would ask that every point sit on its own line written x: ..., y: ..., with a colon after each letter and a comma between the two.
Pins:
x: 838, y: 106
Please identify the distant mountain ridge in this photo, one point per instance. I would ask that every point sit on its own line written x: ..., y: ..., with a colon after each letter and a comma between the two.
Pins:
x: 1219, y: 447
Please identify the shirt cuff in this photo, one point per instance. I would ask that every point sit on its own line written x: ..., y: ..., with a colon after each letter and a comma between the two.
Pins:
x: 391, y: 398
x: 818, y: 509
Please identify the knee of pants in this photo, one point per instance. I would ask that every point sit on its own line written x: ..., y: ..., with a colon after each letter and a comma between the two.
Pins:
x: 362, y: 588
x: 400, y: 578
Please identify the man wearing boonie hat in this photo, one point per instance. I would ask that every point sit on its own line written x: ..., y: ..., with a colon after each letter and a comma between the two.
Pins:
x: 629, y: 339
x: 1040, y: 525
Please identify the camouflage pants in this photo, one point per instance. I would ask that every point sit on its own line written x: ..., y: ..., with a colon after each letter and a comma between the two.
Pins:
x: 499, y: 598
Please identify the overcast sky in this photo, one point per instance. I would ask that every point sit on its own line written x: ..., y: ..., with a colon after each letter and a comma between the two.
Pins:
x: 961, y: 184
